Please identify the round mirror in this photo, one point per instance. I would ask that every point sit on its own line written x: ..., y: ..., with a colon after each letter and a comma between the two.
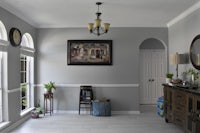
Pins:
x: 195, y: 52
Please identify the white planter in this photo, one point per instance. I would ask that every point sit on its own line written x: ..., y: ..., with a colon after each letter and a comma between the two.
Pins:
x: 168, y: 80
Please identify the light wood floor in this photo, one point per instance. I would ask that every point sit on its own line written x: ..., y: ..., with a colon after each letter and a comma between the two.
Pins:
x: 146, y: 122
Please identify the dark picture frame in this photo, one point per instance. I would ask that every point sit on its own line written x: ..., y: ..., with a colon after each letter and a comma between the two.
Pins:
x: 89, y: 52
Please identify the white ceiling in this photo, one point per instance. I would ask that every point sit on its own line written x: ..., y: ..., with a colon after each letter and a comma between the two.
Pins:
x: 77, y: 13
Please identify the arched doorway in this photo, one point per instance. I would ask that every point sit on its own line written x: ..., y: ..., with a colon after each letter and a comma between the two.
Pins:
x: 152, y: 70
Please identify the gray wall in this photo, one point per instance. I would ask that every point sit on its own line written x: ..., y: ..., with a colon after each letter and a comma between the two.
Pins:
x: 10, y: 21
x: 52, y: 65
x: 152, y: 44
x: 181, y: 35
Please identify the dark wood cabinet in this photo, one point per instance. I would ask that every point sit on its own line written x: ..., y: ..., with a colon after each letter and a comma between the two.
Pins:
x: 182, y: 107
x: 193, y: 114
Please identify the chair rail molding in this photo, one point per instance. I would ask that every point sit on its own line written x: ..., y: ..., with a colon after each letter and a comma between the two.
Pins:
x: 13, y: 90
x: 94, y: 85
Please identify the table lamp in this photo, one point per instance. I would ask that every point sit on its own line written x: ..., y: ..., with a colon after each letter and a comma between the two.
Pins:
x: 179, y: 59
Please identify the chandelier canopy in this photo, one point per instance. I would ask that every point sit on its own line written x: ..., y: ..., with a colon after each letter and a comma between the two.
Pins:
x: 98, y: 30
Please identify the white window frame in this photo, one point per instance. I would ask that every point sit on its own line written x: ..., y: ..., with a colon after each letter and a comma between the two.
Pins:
x: 25, y: 58
x: 27, y: 50
x: 1, y: 90
x: 4, y: 75
x: 4, y: 87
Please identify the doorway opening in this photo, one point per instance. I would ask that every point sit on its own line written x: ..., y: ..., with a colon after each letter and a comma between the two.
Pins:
x: 153, y: 67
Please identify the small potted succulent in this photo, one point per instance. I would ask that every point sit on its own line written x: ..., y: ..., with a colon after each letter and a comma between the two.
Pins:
x: 49, y: 87
x: 169, y: 77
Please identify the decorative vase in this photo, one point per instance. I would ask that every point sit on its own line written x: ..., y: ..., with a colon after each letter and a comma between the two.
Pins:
x: 34, y: 114
x: 194, y: 82
x: 193, y: 79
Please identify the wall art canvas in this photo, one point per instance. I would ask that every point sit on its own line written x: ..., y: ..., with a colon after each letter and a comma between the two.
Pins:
x: 89, y: 52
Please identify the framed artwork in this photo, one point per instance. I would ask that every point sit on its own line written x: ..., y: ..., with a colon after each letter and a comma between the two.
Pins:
x: 89, y: 52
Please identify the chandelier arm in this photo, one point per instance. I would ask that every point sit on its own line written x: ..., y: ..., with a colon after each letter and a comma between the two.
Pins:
x: 98, y: 30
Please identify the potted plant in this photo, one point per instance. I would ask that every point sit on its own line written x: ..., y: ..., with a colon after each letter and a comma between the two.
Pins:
x: 169, y: 77
x: 37, y: 111
x: 194, y: 76
x: 49, y: 86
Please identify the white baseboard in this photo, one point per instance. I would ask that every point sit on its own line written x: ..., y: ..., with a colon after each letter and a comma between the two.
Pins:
x: 71, y: 112
x: 88, y: 112
x: 16, y: 124
x: 125, y: 112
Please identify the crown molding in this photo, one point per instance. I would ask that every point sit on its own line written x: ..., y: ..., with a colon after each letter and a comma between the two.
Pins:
x: 17, y: 13
x: 184, y: 14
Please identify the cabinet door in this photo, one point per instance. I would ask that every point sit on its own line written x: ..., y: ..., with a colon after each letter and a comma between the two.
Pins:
x: 179, y: 108
x: 196, y: 120
x: 145, y: 77
x: 189, y: 119
x: 157, y: 74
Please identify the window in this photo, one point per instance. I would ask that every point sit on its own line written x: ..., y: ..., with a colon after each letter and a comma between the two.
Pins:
x: 27, y: 72
x: 1, y: 96
x: 3, y: 70
x: 24, y: 82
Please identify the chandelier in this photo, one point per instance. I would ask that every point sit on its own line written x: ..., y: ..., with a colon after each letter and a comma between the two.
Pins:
x: 98, y: 30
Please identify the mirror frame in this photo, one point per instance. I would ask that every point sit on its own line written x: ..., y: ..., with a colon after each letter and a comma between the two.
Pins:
x: 192, y: 44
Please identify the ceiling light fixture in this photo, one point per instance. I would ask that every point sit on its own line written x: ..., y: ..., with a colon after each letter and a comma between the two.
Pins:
x: 98, y: 30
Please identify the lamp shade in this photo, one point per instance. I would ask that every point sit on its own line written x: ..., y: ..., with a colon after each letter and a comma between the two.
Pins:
x: 106, y: 26
x: 179, y: 58
x: 97, y: 22
x: 174, y: 58
x: 90, y: 26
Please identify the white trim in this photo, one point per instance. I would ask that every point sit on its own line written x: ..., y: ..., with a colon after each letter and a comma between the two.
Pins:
x: 3, y: 125
x: 70, y: 112
x: 16, y: 124
x: 17, y: 13
x: 26, y: 111
x: 184, y: 14
x: 125, y: 112
x: 13, y: 90
x: 3, y: 42
x: 88, y: 112
x: 94, y: 85
x: 27, y: 49
x: 3, y: 45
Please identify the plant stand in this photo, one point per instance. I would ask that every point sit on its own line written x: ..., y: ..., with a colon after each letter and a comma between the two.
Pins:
x: 48, y: 96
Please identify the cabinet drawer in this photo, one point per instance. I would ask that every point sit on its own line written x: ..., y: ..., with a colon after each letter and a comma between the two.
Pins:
x: 180, y: 108
x: 180, y: 101
x: 180, y: 98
